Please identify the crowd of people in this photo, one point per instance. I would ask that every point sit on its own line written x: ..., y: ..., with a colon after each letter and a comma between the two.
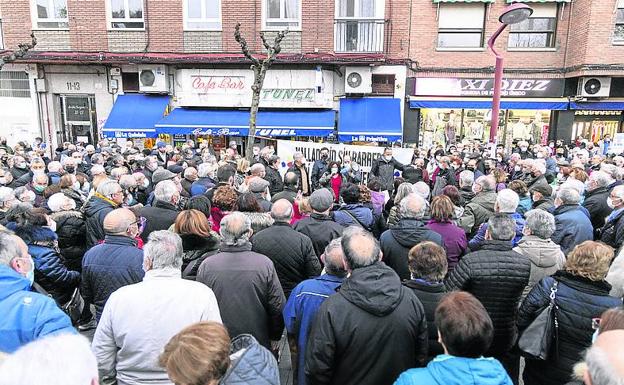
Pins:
x: 191, y: 265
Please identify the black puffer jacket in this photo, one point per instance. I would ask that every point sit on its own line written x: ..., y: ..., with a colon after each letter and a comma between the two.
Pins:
x: 397, y: 242
x: 275, y: 179
x: 160, y: 216
x: 496, y: 275
x: 613, y: 231
x: 94, y: 211
x: 596, y: 203
x: 370, y: 332
x: 429, y: 295
x: 294, y: 258
x: 196, y: 249
x: 72, y: 237
x: 321, y: 229
x: 579, y: 300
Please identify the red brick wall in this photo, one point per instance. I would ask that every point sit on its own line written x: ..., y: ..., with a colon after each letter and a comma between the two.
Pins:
x: 16, y: 23
x: 246, y: 12
x: 397, y: 30
x: 87, y: 25
x: 165, y: 25
x: 318, y: 26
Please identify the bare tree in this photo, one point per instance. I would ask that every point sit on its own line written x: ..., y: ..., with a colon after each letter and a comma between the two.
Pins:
x: 259, y: 68
x: 11, y: 56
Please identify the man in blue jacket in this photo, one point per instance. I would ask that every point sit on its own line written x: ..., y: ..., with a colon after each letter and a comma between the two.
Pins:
x: 26, y: 316
x: 304, y: 302
x: 572, y: 223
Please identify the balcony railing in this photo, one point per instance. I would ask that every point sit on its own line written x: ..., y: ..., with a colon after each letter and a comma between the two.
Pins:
x: 359, y: 35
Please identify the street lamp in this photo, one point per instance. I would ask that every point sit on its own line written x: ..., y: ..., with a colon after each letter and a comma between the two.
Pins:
x: 513, y: 14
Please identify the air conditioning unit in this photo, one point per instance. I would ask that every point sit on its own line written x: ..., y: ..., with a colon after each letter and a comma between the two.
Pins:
x: 594, y: 87
x: 153, y: 79
x: 358, y: 80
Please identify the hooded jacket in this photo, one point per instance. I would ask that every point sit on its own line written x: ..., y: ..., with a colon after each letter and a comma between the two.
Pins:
x: 429, y: 294
x: 572, y: 227
x: 397, y: 242
x: 26, y: 316
x: 546, y: 258
x: 250, y: 364
x: 95, y: 209
x: 368, y: 333
x: 451, y: 370
x: 478, y: 211
x: 476, y: 242
x: 72, y: 237
x: 196, y: 249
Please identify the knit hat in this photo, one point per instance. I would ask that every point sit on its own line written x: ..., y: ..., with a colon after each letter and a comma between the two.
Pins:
x: 321, y: 200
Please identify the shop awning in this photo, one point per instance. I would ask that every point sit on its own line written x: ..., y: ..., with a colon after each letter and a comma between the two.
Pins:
x: 236, y: 122
x: 134, y: 116
x: 486, y: 104
x: 370, y: 120
x: 598, y: 106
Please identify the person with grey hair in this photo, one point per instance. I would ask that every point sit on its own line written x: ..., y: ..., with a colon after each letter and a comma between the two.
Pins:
x: 481, y: 207
x: 596, y: 198
x: 26, y: 315
x: 373, y: 329
x: 257, y: 169
x: 45, y: 361
x: 605, y: 359
x: 294, y: 259
x: 245, y: 283
x: 38, y: 185
x: 272, y: 175
x: 319, y: 226
x: 496, y: 275
x: 108, y: 196
x: 612, y: 233
x: 507, y: 202
x: 397, y: 241
x: 546, y: 257
x: 301, y: 171
x: 466, y: 180
x: 7, y: 200
x: 206, y: 179
x: 138, y: 320
x: 572, y: 223
x: 191, y: 174
x: 305, y: 301
x: 164, y: 211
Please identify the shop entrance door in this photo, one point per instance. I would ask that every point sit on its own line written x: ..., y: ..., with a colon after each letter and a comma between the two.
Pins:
x: 78, y: 118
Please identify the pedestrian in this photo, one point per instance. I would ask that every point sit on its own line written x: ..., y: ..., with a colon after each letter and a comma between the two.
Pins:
x: 198, y: 241
x: 260, y: 188
x: 453, y: 237
x: 109, y: 196
x: 223, y: 202
x: 291, y: 188
x: 332, y: 179
x: 402, y: 191
x: 596, y: 199
x: 481, y: 207
x: 248, y: 205
x: 320, y: 167
x: 276, y: 185
x: 164, y: 212
x: 319, y: 226
x: 525, y: 203
x: 70, y: 229
x: 507, y: 203
x: 300, y: 169
x: 466, y: 180
x: 573, y: 225
x: 352, y: 212
x: 612, y: 233
x: 383, y: 169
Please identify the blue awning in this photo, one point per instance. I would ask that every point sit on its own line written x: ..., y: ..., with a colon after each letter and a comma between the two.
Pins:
x: 236, y: 122
x: 370, y: 120
x: 486, y: 104
x: 134, y: 116
x: 598, y: 106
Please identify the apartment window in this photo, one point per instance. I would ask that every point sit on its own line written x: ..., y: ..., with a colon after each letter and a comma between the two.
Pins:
x: 461, y: 25
x: 383, y: 85
x: 14, y: 84
x: 202, y: 15
x: 538, y: 31
x: 126, y: 14
x: 619, y: 23
x: 282, y: 14
x: 50, y: 14
x: 359, y: 26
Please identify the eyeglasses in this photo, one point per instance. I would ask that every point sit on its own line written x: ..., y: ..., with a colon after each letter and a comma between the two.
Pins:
x: 596, y: 323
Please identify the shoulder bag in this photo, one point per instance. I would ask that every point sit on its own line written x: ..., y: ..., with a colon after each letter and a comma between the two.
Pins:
x: 540, y: 339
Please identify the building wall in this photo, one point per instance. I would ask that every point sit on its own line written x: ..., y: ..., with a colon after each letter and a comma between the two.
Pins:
x: 203, y: 41
x: 165, y: 25
x: 53, y: 40
x: 247, y: 13
x: 127, y: 41
x: 87, y: 25
x: 317, y: 22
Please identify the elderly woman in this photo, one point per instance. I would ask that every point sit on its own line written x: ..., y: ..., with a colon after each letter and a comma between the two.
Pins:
x: 402, y: 191
x: 198, y: 241
x: 453, y: 236
x: 71, y: 188
x: 70, y: 228
x: 427, y: 263
x: 248, y: 204
x: 546, y: 257
x: 581, y: 295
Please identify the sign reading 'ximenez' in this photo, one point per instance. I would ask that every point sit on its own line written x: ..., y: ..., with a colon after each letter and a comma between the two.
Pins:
x: 521, y: 88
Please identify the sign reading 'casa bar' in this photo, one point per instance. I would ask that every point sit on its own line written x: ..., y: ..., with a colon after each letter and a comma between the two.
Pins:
x: 519, y: 88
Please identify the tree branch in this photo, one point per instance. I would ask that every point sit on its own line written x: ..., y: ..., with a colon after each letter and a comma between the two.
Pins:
x: 265, y: 43
x: 244, y: 46
x: 11, y: 56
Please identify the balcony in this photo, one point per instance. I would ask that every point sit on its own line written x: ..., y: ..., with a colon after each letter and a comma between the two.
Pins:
x: 359, y: 35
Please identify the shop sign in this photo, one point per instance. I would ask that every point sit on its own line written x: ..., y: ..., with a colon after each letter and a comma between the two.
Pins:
x: 520, y: 88
x: 77, y: 109
x: 232, y: 88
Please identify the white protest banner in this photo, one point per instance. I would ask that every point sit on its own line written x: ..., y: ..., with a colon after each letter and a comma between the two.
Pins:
x: 362, y: 155
x: 617, y: 144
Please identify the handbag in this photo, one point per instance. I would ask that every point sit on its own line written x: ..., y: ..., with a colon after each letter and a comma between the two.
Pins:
x: 536, y: 342
x: 74, y: 307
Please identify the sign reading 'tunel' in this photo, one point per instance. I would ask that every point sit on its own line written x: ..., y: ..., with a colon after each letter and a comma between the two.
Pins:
x: 519, y: 88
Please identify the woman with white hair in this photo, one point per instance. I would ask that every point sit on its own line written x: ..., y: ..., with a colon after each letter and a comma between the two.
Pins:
x: 70, y: 229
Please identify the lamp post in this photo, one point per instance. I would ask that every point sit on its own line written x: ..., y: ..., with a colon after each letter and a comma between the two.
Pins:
x: 513, y: 14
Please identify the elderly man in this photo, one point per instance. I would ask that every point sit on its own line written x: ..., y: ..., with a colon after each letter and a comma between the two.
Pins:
x: 272, y: 175
x: 299, y: 168
x: 319, y: 226
x: 573, y: 225
x: 373, y: 329
x: 26, y: 315
x: 115, y: 263
x: 164, y: 212
x: 20, y: 167
x: 290, y: 188
x: 225, y: 177
x: 481, y: 207
x: 305, y: 301
x: 537, y: 173
x: 541, y: 196
x: 257, y: 169
x: 245, y: 283
x: 6, y: 178
x: 205, y: 181
x: 38, y: 185
x: 410, y: 231
x: 383, y: 169
x: 260, y: 187
x: 294, y: 259
x: 138, y: 320
x: 612, y: 233
x: 596, y: 198
x: 507, y: 203
x: 37, y: 167
x: 7, y: 200
x: 319, y: 168
x: 496, y: 275
x: 190, y: 176
x: 466, y: 180
x: 605, y: 359
x: 109, y: 195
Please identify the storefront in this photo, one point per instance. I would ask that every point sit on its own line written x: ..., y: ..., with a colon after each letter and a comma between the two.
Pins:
x: 453, y: 109
x: 593, y: 120
x: 134, y: 116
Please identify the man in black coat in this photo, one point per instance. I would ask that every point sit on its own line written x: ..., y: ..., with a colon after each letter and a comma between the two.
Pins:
x: 273, y: 176
x: 290, y: 188
x: 613, y: 231
x: 383, y: 169
x: 294, y: 259
x: 319, y: 168
x: 410, y: 231
x: 109, y: 196
x: 496, y: 275
x: 164, y: 212
x: 596, y: 198
x: 373, y: 329
x: 319, y: 226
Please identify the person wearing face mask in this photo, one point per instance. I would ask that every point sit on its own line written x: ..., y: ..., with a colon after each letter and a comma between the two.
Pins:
x: 273, y: 176
x: 524, y: 150
x: 26, y: 315
x: 37, y: 166
x: 351, y: 170
x: 71, y: 188
x: 38, y: 185
x: 300, y: 169
x: 383, y: 168
x: 160, y: 154
x: 37, y: 230
x: 333, y: 179
x: 6, y: 178
x: 164, y: 211
x: 151, y: 165
x: 20, y: 167
x: 612, y: 233
x: 23, y: 194
x: 319, y: 168
x: 108, y: 196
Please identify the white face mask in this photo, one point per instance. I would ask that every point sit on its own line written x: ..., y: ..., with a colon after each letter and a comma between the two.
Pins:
x: 388, y: 157
x: 76, y: 185
x: 610, y: 202
x: 52, y: 225
x: 334, y: 170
